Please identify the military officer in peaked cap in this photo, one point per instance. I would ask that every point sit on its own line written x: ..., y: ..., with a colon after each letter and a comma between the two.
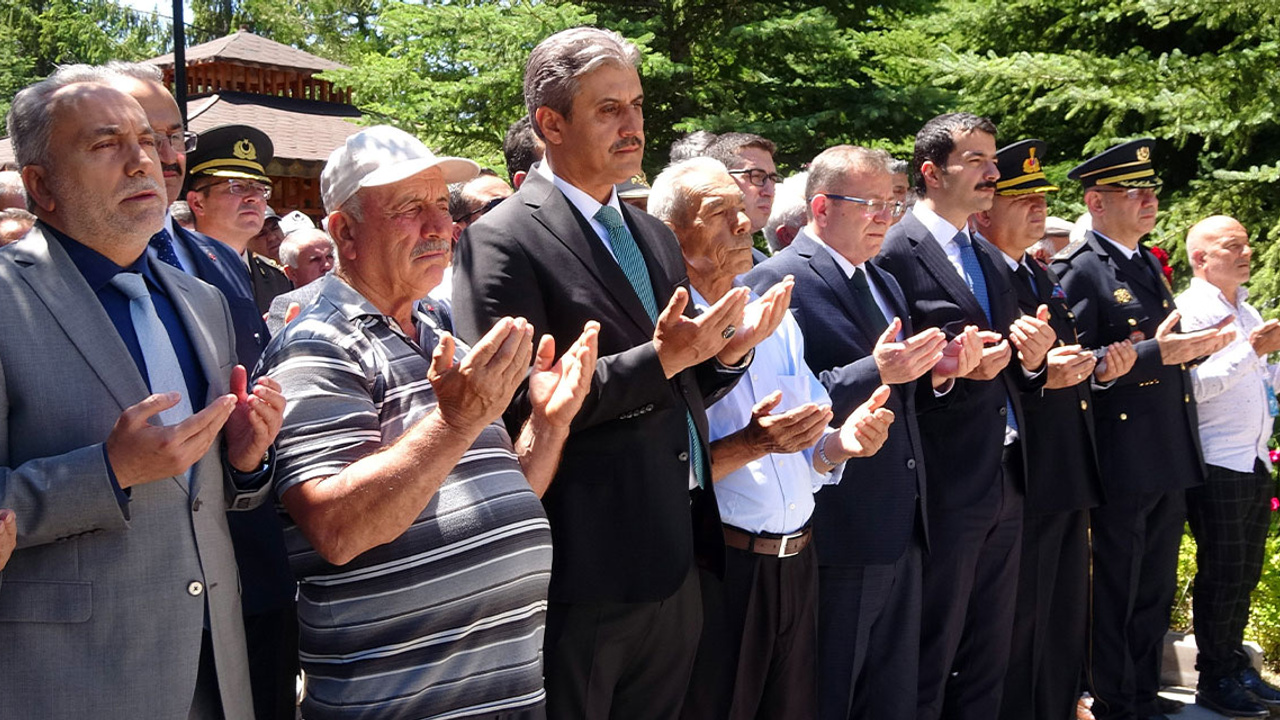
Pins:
x: 1049, y: 627
x: 1145, y: 421
x: 228, y: 189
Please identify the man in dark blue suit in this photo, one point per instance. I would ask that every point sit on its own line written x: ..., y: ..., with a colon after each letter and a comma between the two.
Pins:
x: 869, y: 529
x: 267, y: 585
x: 971, y: 444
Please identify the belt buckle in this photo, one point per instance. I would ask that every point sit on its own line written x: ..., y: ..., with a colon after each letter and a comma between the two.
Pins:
x: 782, y: 546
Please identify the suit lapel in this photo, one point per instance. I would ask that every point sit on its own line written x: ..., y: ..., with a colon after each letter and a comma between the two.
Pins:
x: 56, y: 281
x: 936, y: 262
x: 558, y: 216
x: 831, y: 273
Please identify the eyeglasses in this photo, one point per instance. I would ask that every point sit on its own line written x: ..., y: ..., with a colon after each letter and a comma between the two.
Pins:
x: 872, y: 207
x: 1131, y: 193
x: 479, y: 212
x: 179, y: 140
x: 758, y: 177
x: 241, y: 188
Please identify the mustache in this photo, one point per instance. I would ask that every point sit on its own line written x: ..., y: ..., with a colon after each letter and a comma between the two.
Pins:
x: 627, y: 143
x: 175, y: 168
x: 985, y: 185
x: 141, y: 185
x: 429, y: 247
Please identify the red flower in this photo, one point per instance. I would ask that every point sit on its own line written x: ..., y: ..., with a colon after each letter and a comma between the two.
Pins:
x: 1163, y: 257
x: 1275, y: 456
x: 1275, y: 504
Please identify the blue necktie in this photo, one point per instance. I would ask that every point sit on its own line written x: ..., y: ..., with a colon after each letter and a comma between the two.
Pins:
x: 978, y: 284
x: 163, y: 245
x: 629, y: 258
x: 164, y: 372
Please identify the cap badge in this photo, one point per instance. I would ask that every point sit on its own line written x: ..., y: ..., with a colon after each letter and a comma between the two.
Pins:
x: 1031, y: 164
x: 1123, y: 295
x: 245, y: 150
x: 1144, y: 153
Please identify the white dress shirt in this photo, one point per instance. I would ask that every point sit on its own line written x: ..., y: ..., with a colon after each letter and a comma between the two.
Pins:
x: 848, y: 269
x: 944, y: 233
x: 772, y: 494
x: 587, y: 205
x: 1231, y: 385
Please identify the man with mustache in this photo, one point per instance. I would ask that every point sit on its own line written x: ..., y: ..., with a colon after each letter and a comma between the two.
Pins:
x: 633, y: 506
x: 969, y: 427
x: 122, y: 457
x: 267, y: 586
x: 1148, y: 444
x: 1230, y: 513
x: 412, y: 509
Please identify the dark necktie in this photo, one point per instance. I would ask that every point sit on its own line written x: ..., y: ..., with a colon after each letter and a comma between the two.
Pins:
x: 1024, y: 274
x: 631, y: 261
x: 163, y: 245
x: 866, y: 302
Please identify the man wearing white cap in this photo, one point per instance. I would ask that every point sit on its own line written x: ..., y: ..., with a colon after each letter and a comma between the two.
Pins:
x: 421, y: 550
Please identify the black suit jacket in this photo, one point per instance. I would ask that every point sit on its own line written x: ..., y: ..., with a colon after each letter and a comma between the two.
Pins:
x: 219, y: 266
x: 869, y: 517
x: 964, y: 431
x: 619, y: 504
x: 267, y: 281
x: 1146, y: 421
x: 1058, y: 438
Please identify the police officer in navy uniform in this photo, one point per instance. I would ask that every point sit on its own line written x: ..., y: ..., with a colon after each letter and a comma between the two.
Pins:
x: 1145, y: 421
x: 1049, y: 628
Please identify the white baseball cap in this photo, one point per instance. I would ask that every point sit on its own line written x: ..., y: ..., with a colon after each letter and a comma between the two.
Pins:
x: 382, y: 155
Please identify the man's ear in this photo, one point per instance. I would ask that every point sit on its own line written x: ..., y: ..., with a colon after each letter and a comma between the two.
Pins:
x: 1093, y: 202
x: 982, y: 218
x: 551, y: 123
x: 931, y: 173
x: 33, y: 177
x: 195, y: 201
x: 340, y: 230
x: 818, y: 205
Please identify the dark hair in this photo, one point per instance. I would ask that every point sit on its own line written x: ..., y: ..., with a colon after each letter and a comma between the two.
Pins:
x: 521, y: 148
x: 937, y: 139
x: 727, y: 146
x: 690, y: 146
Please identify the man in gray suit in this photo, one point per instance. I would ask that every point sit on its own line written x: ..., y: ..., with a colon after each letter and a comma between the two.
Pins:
x: 126, y: 429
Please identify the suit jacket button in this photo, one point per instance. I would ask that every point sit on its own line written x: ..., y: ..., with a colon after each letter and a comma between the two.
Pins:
x: 1084, y: 404
x: 911, y: 463
x: 194, y: 588
x: 683, y: 457
x: 1124, y: 416
x: 195, y: 506
x: 1004, y: 409
x: 1186, y: 398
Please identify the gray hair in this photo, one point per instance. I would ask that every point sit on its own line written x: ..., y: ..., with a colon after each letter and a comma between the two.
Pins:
x: 11, y: 185
x: 136, y: 70
x: 899, y: 167
x: 671, y: 197
x: 30, y: 121
x: 828, y: 170
x: 181, y: 212
x: 790, y: 208
x: 691, y: 145
x: 293, y: 242
x: 551, y: 75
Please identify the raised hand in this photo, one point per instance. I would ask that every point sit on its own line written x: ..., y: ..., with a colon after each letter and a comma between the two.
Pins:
x: 1117, y: 361
x: 1033, y: 337
x: 787, y: 432
x: 901, y: 362
x: 474, y: 392
x: 996, y: 354
x: 863, y: 433
x: 1265, y: 338
x: 683, y: 342
x: 960, y: 357
x: 255, y: 421
x: 1068, y: 366
x: 140, y: 452
x: 558, y: 387
x: 759, y: 320
x: 1179, y: 347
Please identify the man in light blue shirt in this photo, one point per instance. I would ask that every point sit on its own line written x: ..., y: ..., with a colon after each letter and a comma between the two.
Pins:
x: 771, y: 450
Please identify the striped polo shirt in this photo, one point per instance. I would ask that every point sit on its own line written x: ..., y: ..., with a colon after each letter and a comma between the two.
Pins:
x: 447, y: 620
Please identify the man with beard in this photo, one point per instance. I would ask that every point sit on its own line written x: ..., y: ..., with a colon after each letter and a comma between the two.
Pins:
x: 121, y: 457
x: 1148, y: 440
x: 952, y: 282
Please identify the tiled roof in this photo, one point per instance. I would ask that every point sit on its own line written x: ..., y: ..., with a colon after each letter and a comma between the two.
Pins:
x: 245, y: 47
x: 299, y: 129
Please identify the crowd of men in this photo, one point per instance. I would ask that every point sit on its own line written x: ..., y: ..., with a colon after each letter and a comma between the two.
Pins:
x: 574, y: 448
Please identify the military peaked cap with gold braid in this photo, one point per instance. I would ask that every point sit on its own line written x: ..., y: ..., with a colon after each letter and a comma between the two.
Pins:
x: 1127, y: 165
x: 231, y: 151
x: 1020, y: 169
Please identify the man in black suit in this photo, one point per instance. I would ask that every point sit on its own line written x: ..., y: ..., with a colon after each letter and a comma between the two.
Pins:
x: 267, y: 586
x: 971, y: 444
x: 869, y: 530
x: 1049, y: 627
x: 1148, y: 441
x: 632, y: 502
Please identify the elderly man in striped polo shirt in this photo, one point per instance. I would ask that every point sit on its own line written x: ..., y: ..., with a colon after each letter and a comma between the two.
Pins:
x: 420, y: 546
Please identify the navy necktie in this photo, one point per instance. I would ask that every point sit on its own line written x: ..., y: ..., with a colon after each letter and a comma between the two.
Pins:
x: 163, y: 245
x: 629, y: 258
x: 1027, y: 278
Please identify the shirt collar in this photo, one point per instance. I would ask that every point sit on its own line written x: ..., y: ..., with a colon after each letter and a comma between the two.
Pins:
x: 842, y: 262
x: 941, y: 230
x: 1200, y: 285
x: 585, y: 204
x: 96, y: 268
x: 1130, y: 254
x: 1013, y: 264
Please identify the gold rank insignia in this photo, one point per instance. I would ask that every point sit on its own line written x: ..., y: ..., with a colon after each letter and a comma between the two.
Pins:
x: 245, y: 150
x: 1031, y: 164
x: 1123, y: 296
x: 1144, y: 153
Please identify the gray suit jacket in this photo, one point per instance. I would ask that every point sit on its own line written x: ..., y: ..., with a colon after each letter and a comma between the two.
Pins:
x: 103, y: 606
